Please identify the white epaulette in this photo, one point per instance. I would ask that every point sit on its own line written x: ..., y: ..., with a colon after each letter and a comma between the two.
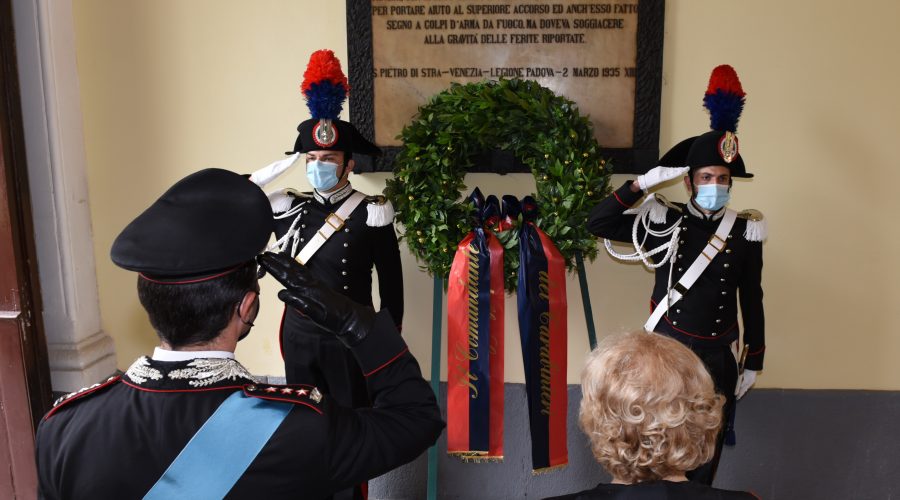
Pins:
x: 757, y: 229
x: 380, y: 211
x: 657, y: 205
x: 282, y: 199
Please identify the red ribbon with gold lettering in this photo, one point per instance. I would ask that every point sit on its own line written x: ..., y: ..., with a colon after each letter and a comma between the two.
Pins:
x: 475, y: 301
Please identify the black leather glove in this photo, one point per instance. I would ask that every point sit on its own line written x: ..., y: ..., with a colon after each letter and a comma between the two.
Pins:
x: 349, y: 321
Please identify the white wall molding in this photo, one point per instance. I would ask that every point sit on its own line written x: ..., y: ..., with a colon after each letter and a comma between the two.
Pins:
x: 80, y: 353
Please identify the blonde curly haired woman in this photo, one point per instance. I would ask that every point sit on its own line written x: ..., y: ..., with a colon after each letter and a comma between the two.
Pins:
x: 651, y: 412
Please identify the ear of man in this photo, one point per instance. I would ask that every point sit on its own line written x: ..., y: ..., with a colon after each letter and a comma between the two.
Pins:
x: 349, y: 164
x: 245, y: 308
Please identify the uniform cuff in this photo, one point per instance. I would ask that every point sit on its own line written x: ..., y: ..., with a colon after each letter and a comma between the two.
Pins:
x: 754, y: 360
x: 626, y: 196
x: 381, y: 346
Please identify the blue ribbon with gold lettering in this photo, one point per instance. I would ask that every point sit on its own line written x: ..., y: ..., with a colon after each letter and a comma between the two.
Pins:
x: 542, y: 329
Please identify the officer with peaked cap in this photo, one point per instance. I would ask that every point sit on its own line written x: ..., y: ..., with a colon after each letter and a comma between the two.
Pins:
x: 337, y: 232
x: 707, y: 258
x: 190, y: 421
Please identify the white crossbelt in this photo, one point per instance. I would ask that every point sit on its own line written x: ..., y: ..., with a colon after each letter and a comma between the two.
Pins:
x: 333, y: 223
x: 716, y: 244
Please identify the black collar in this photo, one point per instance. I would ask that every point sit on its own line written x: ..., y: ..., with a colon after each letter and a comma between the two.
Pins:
x: 334, y: 197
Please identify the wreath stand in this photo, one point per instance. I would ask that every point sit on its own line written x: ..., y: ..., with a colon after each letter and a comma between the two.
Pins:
x: 546, y: 132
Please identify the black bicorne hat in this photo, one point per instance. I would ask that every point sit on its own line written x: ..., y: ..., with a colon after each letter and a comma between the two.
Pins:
x: 206, y: 224
x: 677, y: 156
x: 707, y: 150
x: 342, y: 136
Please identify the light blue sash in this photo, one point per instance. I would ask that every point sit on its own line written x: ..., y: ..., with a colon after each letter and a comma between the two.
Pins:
x: 219, y: 453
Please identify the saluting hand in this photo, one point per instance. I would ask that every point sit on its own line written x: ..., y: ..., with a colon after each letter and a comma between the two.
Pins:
x: 349, y: 321
x: 657, y: 176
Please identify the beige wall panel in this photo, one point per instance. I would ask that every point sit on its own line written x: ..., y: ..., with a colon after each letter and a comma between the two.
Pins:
x: 169, y: 87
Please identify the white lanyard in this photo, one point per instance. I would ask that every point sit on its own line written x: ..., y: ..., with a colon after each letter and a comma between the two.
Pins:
x: 716, y: 244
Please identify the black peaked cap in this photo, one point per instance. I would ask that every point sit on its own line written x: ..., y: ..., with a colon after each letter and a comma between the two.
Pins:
x: 208, y: 222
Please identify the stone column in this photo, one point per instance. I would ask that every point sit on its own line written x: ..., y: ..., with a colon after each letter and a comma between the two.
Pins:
x: 80, y: 352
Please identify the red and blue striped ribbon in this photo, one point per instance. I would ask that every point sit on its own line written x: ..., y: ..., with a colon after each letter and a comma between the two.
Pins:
x: 475, y: 341
x: 543, y: 331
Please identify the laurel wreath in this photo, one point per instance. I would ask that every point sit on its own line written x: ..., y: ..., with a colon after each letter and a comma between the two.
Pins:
x: 543, y: 130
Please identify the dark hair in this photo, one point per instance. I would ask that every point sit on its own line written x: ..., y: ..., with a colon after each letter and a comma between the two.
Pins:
x: 194, y: 313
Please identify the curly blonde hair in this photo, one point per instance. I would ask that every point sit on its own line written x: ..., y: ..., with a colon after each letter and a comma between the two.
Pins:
x: 649, y: 407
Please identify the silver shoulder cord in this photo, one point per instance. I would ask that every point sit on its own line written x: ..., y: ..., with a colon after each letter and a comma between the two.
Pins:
x: 292, y: 236
x: 650, y: 211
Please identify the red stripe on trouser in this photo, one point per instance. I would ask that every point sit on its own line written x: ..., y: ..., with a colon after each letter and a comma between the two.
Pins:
x: 457, y: 350
x: 556, y: 269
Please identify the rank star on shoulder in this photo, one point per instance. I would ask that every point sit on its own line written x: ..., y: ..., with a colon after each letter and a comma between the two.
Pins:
x: 302, y: 392
x: 271, y: 389
x: 287, y: 390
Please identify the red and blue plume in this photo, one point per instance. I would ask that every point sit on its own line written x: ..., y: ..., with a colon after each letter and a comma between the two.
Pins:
x: 724, y: 99
x: 324, y: 85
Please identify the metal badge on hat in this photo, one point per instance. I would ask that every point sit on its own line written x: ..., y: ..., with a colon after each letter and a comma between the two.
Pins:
x: 325, y: 88
x: 324, y: 133
x: 728, y: 147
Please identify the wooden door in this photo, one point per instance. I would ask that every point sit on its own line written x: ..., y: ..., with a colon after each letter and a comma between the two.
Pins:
x: 24, y: 374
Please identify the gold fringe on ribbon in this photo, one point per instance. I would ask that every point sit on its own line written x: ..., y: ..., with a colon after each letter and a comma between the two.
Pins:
x: 547, y: 470
x: 475, y: 457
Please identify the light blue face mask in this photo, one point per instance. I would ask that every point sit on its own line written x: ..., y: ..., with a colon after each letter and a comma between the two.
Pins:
x: 712, y: 196
x: 322, y: 175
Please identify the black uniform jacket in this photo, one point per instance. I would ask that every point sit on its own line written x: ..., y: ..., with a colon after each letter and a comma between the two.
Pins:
x: 115, y: 440
x: 656, y: 490
x: 344, y: 262
x: 707, y: 315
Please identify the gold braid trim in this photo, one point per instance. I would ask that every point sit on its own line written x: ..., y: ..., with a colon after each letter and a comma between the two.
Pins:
x: 547, y: 470
x: 475, y: 457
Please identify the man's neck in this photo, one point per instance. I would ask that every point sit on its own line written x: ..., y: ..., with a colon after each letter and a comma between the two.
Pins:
x: 217, y: 344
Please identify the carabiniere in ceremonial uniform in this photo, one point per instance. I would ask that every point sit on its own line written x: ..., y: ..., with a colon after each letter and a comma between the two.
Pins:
x: 344, y: 263
x: 707, y: 316
x: 707, y: 258
x: 337, y: 232
x: 191, y: 421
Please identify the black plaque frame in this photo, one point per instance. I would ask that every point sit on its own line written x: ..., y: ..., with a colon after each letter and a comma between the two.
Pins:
x: 648, y: 87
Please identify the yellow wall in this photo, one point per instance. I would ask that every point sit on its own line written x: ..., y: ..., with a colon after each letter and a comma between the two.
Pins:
x: 170, y: 86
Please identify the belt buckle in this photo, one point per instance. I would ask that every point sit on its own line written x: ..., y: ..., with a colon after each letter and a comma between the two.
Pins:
x: 717, y: 243
x: 715, y: 237
x: 340, y: 223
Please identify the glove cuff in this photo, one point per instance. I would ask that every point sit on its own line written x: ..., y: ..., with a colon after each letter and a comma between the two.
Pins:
x: 358, y: 327
x: 380, y: 346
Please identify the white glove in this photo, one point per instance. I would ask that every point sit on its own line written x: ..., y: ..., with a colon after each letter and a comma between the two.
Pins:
x: 271, y: 171
x: 659, y: 175
x: 745, y: 382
